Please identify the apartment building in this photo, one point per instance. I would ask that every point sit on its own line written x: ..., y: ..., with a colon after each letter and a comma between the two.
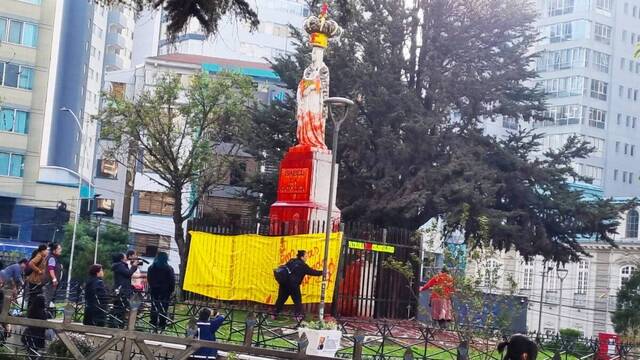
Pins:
x: 234, y: 40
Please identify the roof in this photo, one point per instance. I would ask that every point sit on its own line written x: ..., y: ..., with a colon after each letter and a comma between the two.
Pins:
x: 200, y: 60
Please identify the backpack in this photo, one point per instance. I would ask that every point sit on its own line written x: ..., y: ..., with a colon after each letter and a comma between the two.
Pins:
x: 282, y: 274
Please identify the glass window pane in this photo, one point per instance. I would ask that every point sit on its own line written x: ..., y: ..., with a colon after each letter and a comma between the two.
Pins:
x: 16, y: 165
x: 1, y: 72
x: 15, y: 32
x: 30, y: 35
x: 3, y: 29
x: 11, y: 75
x: 26, y: 78
x: 22, y: 122
x: 4, y: 164
x: 6, y: 119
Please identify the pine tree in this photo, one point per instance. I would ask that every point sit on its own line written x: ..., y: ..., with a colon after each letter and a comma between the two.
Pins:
x: 424, y: 79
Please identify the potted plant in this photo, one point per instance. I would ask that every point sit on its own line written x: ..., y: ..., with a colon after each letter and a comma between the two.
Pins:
x: 323, y: 336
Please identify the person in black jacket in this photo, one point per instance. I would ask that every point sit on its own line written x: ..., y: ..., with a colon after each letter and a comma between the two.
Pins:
x: 299, y: 269
x: 95, y: 297
x: 122, y: 273
x: 34, y: 337
x: 162, y: 282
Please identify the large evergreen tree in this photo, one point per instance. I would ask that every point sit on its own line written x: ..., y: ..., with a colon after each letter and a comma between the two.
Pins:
x: 425, y: 77
x: 626, y: 318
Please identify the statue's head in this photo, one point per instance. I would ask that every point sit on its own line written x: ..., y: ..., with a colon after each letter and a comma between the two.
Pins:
x: 321, y: 29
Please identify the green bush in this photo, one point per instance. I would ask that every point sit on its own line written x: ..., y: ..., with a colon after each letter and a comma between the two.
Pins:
x: 59, y: 349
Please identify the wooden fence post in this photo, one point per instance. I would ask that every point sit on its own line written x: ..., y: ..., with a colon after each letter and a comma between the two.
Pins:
x: 358, y: 343
x: 250, y: 323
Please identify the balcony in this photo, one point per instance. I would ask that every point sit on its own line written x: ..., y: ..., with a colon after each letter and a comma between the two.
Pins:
x: 116, y: 40
x: 551, y: 297
x: 113, y: 62
x: 580, y: 300
x: 118, y: 18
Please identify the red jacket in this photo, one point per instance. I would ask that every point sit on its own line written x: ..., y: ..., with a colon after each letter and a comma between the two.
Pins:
x: 442, y: 285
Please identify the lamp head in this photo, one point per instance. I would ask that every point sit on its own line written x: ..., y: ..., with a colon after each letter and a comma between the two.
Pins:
x: 64, y: 109
x: 338, y: 101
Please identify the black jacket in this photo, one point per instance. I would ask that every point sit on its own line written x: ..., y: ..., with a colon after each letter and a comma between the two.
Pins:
x: 95, y: 294
x: 122, y: 277
x: 298, y: 270
x: 161, y: 280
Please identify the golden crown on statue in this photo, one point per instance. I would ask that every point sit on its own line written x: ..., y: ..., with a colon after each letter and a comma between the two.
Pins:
x: 320, y: 29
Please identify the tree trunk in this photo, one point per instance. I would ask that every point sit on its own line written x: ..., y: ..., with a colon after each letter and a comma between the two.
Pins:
x: 178, y: 232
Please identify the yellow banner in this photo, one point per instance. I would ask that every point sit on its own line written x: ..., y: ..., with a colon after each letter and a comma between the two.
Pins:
x: 241, y: 267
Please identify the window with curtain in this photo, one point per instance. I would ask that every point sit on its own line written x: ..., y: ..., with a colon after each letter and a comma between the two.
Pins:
x: 7, y: 119
x: 17, y: 165
x: 30, y: 35
x: 15, y: 32
x: 13, y: 120
x: 632, y: 224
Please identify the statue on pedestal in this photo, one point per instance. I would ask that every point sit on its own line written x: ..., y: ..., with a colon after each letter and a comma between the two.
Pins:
x: 314, y: 87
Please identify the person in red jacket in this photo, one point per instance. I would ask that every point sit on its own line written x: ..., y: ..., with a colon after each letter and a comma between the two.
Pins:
x: 441, y: 286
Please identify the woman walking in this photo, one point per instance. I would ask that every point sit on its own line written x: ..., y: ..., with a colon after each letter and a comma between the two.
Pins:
x: 162, y: 282
x: 37, y: 268
x: 441, y: 287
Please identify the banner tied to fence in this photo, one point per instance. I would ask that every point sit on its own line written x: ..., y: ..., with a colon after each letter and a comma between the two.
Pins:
x: 240, y: 267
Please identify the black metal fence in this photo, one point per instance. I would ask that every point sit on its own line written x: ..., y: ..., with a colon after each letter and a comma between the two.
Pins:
x: 366, y: 287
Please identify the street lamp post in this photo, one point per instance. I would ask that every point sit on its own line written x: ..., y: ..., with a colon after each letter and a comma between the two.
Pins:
x: 562, y: 274
x: 337, y: 102
x: 545, y: 270
x: 78, y: 201
x: 98, y: 215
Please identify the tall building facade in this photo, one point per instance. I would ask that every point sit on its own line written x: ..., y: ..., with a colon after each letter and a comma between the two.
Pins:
x: 591, y: 79
x: 234, y: 39
x: 51, y: 58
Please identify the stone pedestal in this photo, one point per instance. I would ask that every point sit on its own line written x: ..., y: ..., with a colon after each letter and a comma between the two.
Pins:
x: 303, y: 192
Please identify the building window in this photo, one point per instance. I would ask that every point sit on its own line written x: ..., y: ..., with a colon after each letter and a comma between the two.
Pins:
x: 597, y: 118
x: 615, y: 174
x: 148, y: 245
x: 509, y: 123
x: 619, y: 119
x: 16, y: 76
x: 602, y: 33
x: 583, y: 277
x: 624, y: 35
x: 11, y: 164
x: 527, y: 275
x: 603, y: 4
x: 490, y: 278
x: 630, y: 178
x: 107, y: 168
x: 559, y: 7
x: 617, y: 146
x: 626, y: 149
x: 106, y: 206
x: 626, y: 8
x: 625, y: 273
x: 629, y: 93
x: 621, y: 63
x: 569, y: 59
x: 627, y: 120
x: 599, y: 89
x: 13, y: 120
x: 631, y: 150
x: 624, y: 176
x: 563, y: 115
x: 18, y: 32
x: 155, y: 203
x: 592, y: 173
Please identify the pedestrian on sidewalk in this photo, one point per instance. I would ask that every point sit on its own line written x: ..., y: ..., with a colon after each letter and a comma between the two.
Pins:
x: 53, y: 274
x: 162, y: 282
x: 441, y: 286
x: 95, y: 297
x: 207, y: 331
x: 298, y: 269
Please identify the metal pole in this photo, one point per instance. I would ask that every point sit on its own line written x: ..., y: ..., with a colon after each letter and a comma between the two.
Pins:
x: 95, y: 254
x: 329, y: 224
x: 560, y: 305
x: 78, y: 203
x: 544, y: 273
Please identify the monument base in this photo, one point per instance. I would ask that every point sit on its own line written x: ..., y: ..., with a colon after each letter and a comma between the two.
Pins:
x: 303, y: 192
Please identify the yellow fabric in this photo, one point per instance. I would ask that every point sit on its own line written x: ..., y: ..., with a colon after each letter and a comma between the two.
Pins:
x: 241, y: 267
